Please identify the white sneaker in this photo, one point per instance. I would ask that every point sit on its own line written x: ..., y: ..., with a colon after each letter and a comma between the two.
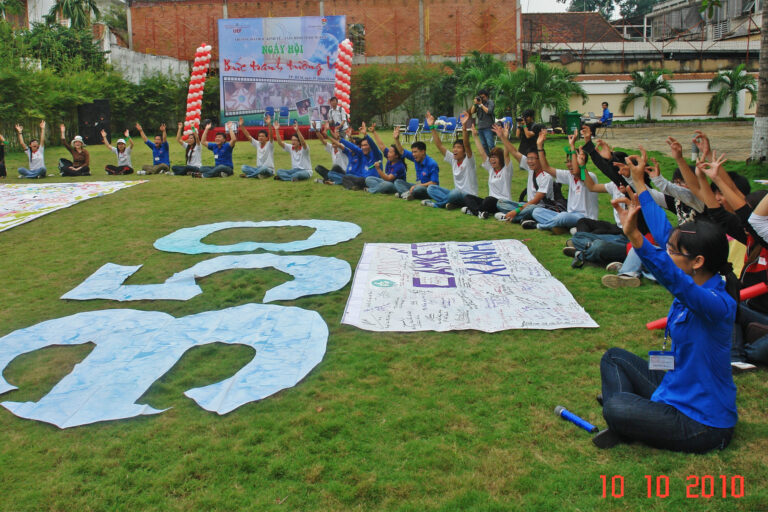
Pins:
x: 500, y: 216
x: 141, y: 172
x: 739, y: 366
x: 397, y: 195
x: 318, y: 180
x: 427, y: 202
x: 465, y: 209
x: 406, y: 196
x: 482, y: 215
x: 614, y: 266
x: 574, y: 230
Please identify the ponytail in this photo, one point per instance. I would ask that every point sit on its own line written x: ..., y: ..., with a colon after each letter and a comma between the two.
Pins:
x: 732, y: 283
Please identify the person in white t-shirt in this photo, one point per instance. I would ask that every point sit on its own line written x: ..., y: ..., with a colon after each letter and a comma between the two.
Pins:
x: 123, y: 153
x: 301, y: 165
x: 540, y: 186
x: 193, y: 153
x: 462, y: 165
x: 582, y: 202
x: 265, y: 151
x: 339, y: 158
x: 35, y: 152
x: 499, y: 167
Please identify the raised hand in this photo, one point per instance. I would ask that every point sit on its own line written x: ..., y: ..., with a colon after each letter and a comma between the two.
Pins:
x: 711, y: 169
x: 498, y: 130
x: 604, y: 149
x: 581, y: 157
x: 396, y: 132
x: 675, y: 148
x: 267, y: 119
x: 702, y: 142
x: 463, y: 117
x: 505, y: 130
x: 138, y: 127
x: 103, y: 134
x: 627, y: 209
x: 572, y: 137
x: 179, y: 125
x: 42, y: 124
x: 240, y: 122
x: 637, y: 165
x: 653, y: 170
x: 363, y: 130
x: 586, y: 133
x: 162, y: 127
x: 19, y: 128
x: 127, y: 133
x: 63, y: 129
x: 276, y: 124
x: 430, y: 119
x: 373, y: 128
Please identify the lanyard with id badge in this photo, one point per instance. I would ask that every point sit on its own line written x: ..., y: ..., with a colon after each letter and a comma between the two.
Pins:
x: 662, y: 359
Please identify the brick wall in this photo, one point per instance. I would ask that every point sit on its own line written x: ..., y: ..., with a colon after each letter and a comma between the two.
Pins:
x: 395, y: 29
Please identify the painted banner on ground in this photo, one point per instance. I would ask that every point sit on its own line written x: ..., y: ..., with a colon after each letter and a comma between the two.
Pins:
x: 444, y: 286
x: 25, y: 202
x: 280, y: 65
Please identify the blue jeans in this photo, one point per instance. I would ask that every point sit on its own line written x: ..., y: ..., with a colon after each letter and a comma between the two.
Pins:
x: 214, y: 172
x: 293, y: 174
x: 335, y: 177
x: 548, y: 219
x: 254, y: 172
x: 420, y: 192
x: 487, y: 139
x: 442, y: 196
x: 377, y: 185
x: 633, y: 266
x: 602, y: 249
x: 628, y: 385
x: 506, y: 206
x: 183, y: 170
x: 37, y: 173
x: 757, y: 351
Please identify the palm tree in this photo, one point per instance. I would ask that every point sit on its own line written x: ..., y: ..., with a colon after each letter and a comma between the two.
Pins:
x: 537, y: 86
x: 78, y: 12
x: 9, y: 7
x: 649, y: 84
x: 730, y: 84
x: 474, y: 72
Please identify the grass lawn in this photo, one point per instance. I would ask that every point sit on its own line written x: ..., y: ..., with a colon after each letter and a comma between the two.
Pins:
x: 397, y: 421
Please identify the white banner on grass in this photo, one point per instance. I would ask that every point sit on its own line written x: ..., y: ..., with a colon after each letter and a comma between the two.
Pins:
x: 444, y: 286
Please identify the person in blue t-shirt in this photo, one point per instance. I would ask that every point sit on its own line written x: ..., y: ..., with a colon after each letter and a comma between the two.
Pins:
x: 691, y: 408
x: 161, y: 159
x: 605, y: 119
x: 427, y: 171
x: 395, y: 169
x: 222, y: 154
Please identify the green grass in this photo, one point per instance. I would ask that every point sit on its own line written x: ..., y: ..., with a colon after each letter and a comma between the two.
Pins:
x: 395, y: 421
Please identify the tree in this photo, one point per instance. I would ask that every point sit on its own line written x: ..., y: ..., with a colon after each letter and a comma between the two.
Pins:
x: 627, y: 8
x: 536, y: 86
x: 78, y: 12
x: 729, y: 84
x: 473, y: 73
x: 9, y: 7
x: 649, y: 84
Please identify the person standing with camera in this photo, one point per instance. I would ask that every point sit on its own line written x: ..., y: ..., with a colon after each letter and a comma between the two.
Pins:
x: 527, y: 131
x: 483, y: 108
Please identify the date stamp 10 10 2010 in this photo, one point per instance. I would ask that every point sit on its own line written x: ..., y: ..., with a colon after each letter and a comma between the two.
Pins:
x: 696, y: 487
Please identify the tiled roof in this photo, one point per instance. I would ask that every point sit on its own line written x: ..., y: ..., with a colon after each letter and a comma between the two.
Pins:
x: 588, y: 27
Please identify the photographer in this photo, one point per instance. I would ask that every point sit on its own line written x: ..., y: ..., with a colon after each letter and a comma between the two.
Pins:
x: 483, y: 108
x: 527, y: 131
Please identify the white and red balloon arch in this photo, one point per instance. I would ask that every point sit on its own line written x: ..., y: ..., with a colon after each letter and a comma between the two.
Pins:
x: 344, y: 74
x: 196, y: 87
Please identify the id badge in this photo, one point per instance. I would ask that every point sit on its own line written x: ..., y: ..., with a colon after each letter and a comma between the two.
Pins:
x: 661, y: 360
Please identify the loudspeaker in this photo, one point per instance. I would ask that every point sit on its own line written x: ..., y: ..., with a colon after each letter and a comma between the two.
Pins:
x: 92, y: 118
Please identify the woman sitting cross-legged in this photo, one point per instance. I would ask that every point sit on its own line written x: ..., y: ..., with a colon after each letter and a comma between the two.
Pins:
x: 499, y: 178
x: 81, y: 160
x: 692, y: 406
x: 301, y: 165
x: 123, y: 153
x: 395, y: 169
x: 193, y: 153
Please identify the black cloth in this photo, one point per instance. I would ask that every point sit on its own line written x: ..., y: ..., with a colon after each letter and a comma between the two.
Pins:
x: 123, y: 169
x: 476, y: 204
x: 68, y: 169
x: 353, y: 182
x: 2, y: 160
x: 322, y: 171
x: 598, y: 227
x: 528, y: 144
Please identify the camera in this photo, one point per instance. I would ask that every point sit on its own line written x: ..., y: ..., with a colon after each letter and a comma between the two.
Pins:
x: 478, y: 98
x: 518, y: 119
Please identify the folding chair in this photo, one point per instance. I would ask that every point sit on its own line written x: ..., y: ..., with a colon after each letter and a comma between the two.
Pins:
x: 285, y: 116
x: 608, y: 125
x: 425, y: 131
x: 412, y: 130
x: 449, y: 128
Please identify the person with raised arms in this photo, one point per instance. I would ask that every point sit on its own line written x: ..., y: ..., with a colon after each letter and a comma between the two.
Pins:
x: 161, y: 159
x: 2, y: 157
x: 395, y: 169
x: 222, y: 154
x: 684, y: 399
x: 339, y: 158
x: 427, y: 170
x: 81, y: 159
x: 265, y: 151
x: 301, y: 165
x: 193, y: 153
x: 35, y: 153
x: 462, y: 165
x: 500, y: 169
x: 363, y: 154
x: 123, y: 153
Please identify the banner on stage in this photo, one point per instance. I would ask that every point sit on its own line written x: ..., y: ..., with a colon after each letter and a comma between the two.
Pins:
x: 280, y: 65
x: 444, y: 286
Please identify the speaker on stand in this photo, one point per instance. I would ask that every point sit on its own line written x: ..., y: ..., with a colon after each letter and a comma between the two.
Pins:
x: 92, y: 118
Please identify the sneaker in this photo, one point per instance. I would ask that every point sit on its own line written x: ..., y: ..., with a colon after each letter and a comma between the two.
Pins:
x: 577, y: 261
x: 427, y: 202
x: 397, y: 195
x: 243, y: 176
x: 559, y: 230
x: 620, y: 281
x: 141, y: 172
x: 223, y: 174
x: 410, y: 197
x: 529, y: 224
x: 406, y: 196
x: 614, y: 266
x: 483, y: 215
x: 262, y: 176
x: 502, y: 217
x: 464, y: 209
x: 569, y: 243
x: 196, y: 174
x: 451, y: 206
x: 741, y: 366
x: 574, y: 230
x: 599, y: 399
x: 606, y: 439
x: 569, y: 251
x: 366, y: 189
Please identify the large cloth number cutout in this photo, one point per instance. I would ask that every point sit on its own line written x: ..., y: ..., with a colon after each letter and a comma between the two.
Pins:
x: 135, y: 348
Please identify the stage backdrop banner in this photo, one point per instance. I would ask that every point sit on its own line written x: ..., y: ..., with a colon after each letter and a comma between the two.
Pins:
x: 285, y: 65
x: 444, y: 286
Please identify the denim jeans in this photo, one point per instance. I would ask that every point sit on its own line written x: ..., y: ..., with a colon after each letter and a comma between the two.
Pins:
x: 214, y: 172
x: 487, y: 139
x: 419, y: 192
x: 628, y: 385
x: 442, y: 196
x: 633, y: 266
x: 548, y: 219
x: 741, y: 351
x: 37, y: 173
x: 183, y: 170
x: 293, y: 174
x: 323, y: 172
x: 601, y: 249
x: 255, y: 172
x: 506, y: 206
x: 336, y: 177
x: 377, y: 185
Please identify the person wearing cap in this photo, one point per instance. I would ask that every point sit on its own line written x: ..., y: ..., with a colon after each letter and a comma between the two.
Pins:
x: 81, y: 160
x: 123, y: 153
x: 161, y: 160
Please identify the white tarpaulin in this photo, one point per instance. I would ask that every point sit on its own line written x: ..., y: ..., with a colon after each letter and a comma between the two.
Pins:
x: 445, y: 286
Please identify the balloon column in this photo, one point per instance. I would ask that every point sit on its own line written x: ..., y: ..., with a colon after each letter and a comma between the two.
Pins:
x: 344, y: 74
x: 196, y: 86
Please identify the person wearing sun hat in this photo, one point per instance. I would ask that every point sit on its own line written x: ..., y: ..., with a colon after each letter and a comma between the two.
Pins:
x: 81, y: 160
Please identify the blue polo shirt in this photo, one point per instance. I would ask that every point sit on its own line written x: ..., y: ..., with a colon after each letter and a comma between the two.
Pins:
x: 361, y: 164
x: 222, y: 155
x: 159, y: 154
x: 397, y: 169
x: 427, y: 170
